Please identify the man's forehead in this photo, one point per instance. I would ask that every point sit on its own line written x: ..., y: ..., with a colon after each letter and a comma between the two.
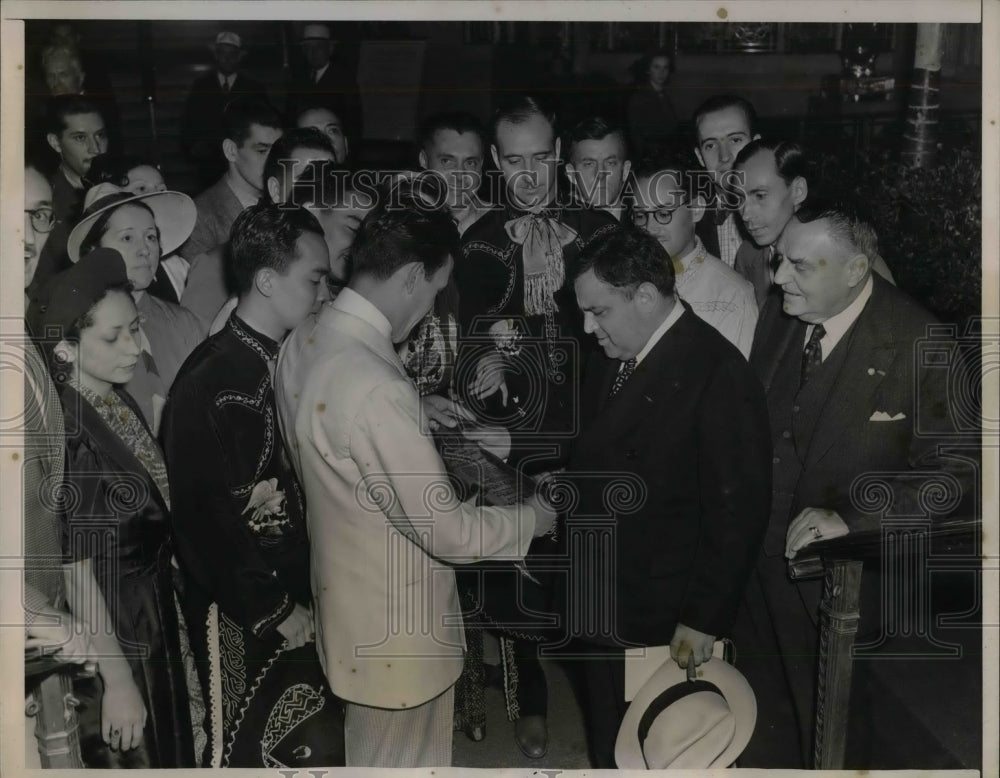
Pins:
x: 320, y: 116
x: 598, y: 148
x: 36, y: 188
x: 723, y: 122
x: 260, y: 133
x: 761, y: 168
x: 90, y: 121
x: 660, y: 189
x: 535, y: 133
x: 804, y: 240
x: 448, y: 141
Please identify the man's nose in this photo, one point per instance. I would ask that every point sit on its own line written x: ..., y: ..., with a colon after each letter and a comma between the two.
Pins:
x: 589, y: 324
x: 93, y: 145
x: 29, y: 231
x: 782, y: 272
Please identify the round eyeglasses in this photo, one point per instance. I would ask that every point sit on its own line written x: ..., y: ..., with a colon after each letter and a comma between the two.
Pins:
x: 661, y: 215
x: 42, y: 219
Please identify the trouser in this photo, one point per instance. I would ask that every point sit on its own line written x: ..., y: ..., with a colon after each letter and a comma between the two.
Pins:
x: 414, y: 737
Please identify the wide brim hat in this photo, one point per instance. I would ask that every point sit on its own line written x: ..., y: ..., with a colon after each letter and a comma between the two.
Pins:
x: 729, y: 721
x: 174, y: 213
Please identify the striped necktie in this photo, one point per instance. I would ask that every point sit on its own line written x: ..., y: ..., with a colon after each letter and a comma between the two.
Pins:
x: 625, y: 371
x: 812, y: 354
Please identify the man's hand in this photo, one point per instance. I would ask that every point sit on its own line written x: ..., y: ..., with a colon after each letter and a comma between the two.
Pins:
x: 496, y: 440
x: 297, y: 628
x: 689, y: 644
x: 811, y: 525
x: 123, y: 714
x: 63, y: 639
x: 545, y: 514
x: 489, y: 378
x: 438, y: 411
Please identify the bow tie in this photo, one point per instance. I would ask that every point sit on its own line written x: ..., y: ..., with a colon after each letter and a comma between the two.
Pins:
x: 541, y: 237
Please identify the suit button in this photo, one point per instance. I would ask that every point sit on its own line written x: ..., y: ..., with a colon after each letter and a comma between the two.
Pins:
x: 786, y: 434
x: 776, y: 461
x: 795, y: 409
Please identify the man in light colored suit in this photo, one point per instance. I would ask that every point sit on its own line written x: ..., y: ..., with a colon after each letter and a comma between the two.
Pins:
x: 383, y: 520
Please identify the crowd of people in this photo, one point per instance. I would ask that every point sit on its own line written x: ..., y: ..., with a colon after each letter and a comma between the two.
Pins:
x: 238, y: 396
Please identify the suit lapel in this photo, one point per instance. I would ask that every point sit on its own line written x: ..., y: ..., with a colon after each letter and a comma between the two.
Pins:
x: 871, y: 352
x: 776, y: 334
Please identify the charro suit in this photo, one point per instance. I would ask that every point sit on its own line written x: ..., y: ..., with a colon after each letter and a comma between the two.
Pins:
x: 687, y: 437
x: 382, y: 519
x: 868, y: 422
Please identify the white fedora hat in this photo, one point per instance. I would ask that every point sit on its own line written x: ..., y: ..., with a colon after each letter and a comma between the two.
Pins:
x: 678, y: 723
x: 174, y: 213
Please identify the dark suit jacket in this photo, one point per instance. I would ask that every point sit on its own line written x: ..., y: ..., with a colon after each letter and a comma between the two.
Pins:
x: 202, y: 129
x: 688, y: 434
x: 337, y: 90
x: 884, y: 374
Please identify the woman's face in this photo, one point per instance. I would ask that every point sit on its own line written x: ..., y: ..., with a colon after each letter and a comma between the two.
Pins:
x: 145, y: 178
x: 109, y: 348
x: 132, y: 231
x: 659, y: 71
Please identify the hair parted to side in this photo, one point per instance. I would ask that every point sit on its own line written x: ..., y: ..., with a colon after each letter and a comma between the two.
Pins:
x: 459, y: 121
x: 789, y: 157
x: 241, y: 113
x: 405, y: 226
x: 517, y: 109
x: 721, y: 103
x: 264, y: 236
x: 596, y: 128
x: 626, y: 257
x: 847, y: 224
x: 297, y: 138
x: 61, y: 106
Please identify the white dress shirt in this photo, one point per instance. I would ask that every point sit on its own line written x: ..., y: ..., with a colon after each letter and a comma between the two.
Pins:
x: 838, y: 325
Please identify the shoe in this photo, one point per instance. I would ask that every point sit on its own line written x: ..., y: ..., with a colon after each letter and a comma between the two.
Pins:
x: 475, y: 734
x: 532, y: 736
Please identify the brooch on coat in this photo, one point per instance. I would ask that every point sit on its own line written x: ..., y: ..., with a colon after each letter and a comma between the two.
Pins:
x: 268, y: 505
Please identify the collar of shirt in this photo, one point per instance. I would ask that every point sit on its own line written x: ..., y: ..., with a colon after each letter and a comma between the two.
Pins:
x: 245, y: 199
x: 836, y: 326
x: 317, y: 75
x: 685, y: 261
x: 257, y: 341
x: 224, y: 80
x: 659, y: 332
x: 349, y: 301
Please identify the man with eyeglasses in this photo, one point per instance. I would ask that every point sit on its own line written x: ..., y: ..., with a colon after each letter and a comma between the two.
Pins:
x: 667, y: 207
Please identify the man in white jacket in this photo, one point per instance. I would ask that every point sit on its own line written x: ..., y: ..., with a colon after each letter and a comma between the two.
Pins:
x: 384, y: 522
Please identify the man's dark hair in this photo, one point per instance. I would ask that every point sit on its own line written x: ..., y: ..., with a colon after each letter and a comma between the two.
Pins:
x: 321, y: 184
x: 62, y: 106
x: 848, y: 223
x: 721, y: 103
x: 459, y: 121
x: 626, y: 257
x: 518, y: 109
x: 242, y: 112
x: 403, y: 228
x: 595, y: 128
x: 296, y: 138
x: 264, y: 235
x: 789, y: 157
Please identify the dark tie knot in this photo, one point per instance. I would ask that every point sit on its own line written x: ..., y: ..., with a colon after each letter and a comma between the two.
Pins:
x: 812, y: 354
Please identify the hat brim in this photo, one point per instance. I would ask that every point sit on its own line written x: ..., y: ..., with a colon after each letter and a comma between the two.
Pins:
x: 732, y: 684
x: 174, y: 213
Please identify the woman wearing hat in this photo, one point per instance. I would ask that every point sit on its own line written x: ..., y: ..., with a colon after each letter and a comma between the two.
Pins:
x: 115, y: 522
x: 143, y: 228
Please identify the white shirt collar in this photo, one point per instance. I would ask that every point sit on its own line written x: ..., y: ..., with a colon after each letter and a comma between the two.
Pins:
x: 349, y: 301
x: 319, y: 73
x: 838, y: 325
x: 223, y: 80
x: 686, y: 260
x: 660, y: 331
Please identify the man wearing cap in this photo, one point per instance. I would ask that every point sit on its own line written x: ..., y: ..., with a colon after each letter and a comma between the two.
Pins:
x: 324, y: 81
x: 202, y: 127
x: 673, y: 472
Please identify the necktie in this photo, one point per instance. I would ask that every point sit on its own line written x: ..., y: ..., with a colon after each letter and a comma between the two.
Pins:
x: 624, y: 373
x: 812, y: 354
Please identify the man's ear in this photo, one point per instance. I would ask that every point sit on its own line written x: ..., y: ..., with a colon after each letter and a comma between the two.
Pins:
x: 274, y: 189
x: 229, y: 149
x: 646, y: 294
x: 66, y: 352
x: 422, y: 159
x: 857, y: 269
x: 496, y: 157
x: 800, y: 191
x: 263, y: 281
x: 697, y: 209
x: 414, y: 272
x: 54, y: 144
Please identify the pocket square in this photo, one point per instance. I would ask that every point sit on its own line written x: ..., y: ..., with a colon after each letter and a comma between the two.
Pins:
x: 883, y: 416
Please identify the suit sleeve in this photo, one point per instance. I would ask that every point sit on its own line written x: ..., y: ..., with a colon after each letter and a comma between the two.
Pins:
x: 734, y: 464
x: 407, y: 480
x: 214, y: 543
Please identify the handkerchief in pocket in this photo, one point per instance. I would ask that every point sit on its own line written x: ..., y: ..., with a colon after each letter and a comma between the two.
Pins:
x: 883, y: 416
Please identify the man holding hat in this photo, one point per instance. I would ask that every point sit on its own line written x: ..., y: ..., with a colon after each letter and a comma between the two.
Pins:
x: 202, y: 125
x: 324, y: 82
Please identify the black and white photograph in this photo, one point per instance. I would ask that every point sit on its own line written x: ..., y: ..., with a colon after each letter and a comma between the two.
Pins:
x: 538, y: 387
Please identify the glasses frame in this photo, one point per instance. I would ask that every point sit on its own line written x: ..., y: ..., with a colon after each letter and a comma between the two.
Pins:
x: 35, y: 215
x: 661, y: 215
